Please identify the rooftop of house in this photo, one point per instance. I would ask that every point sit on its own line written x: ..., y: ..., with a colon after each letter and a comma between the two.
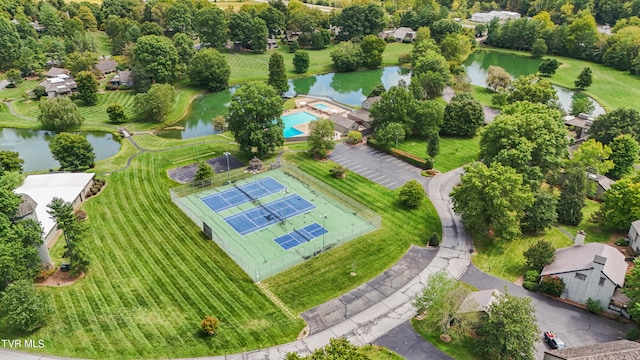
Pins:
x: 59, y: 83
x: 612, y: 350
x: 360, y: 114
x: 581, y: 120
x: 576, y: 258
x: 26, y: 207
x: 122, y: 76
x: 368, y: 102
x: 602, y: 180
x: 106, y: 65
x: 55, y: 71
x: 636, y: 225
x: 479, y: 300
x: 342, y: 121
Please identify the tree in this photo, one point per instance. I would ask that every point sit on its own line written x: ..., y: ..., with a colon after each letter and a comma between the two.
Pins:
x: 59, y: 113
x: 456, y: 47
x: 11, y: 45
x: 617, y: 122
x: 73, y: 229
x: 357, y: 21
x: 592, y: 156
x: 463, y: 116
x: 85, y: 15
x: 440, y: 300
x: 372, y: 49
x: 184, y: 47
x: 87, y: 87
x: 539, y: 255
x: 210, y: 325
x: 210, y: 69
x: 549, y: 67
x: 396, y: 105
x: 632, y: 289
x: 539, y: 48
x: 433, y: 145
x: 428, y: 118
x: 210, y: 23
x: 581, y: 105
x: 431, y: 71
x: 346, y: 56
x: 411, y: 194
x: 491, y: 199
x: 541, y: 214
x: 390, y: 134
x: 509, y: 331
x: 572, y: 197
x: 156, y: 104
x: 259, y: 34
x: 277, y: 73
x: 339, y: 348
x: 621, y: 203
x: 14, y: 77
x: 204, y: 172
x: 254, y: 118
x: 10, y: 161
x: 72, y: 151
x: 321, y: 133
x: 116, y: 113
x: 26, y: 309
x: 498, y: 79
x: 301, y: 61
x: 624, y: 154
x: 81, y: 61
x: 156, y: 58
x: 179, y: 18
x: 274, y: 19
x: 584, y: 80
x: 532, y: 89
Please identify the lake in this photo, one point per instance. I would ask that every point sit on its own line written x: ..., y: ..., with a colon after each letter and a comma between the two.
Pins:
x: 33, y: 146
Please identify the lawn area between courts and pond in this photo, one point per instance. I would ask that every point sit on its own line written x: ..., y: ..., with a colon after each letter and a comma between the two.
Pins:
x: 454, y: 151
x: 273, y: 220
x: 611, y: 88
x: 456, y: 348
x: 328, y: 275
x: 153, y: 277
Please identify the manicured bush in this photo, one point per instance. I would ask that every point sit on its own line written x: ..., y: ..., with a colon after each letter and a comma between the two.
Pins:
x: 354, y: 137
x: 339, y: 171
x: 551, y: 285
x: 209, y: 325
x: 532, y: 275
x: 530, y: 285
x: 428, y: 164
x: 594, y: 306
x: 411, y: 194
x: 633, y: 334
x: 434, y: 239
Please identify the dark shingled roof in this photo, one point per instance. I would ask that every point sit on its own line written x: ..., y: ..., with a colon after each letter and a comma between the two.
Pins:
x: 612, y: 350
x: 27, y: 206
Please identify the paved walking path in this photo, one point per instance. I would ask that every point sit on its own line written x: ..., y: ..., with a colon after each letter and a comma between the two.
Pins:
x: 406, y: 342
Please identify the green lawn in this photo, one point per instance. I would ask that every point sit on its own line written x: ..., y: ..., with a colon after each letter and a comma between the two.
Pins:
x: 101, y: 42
x: 153, y: 276
x: 595, y: 233
x: 327, y: 276
x: 454, y: 152
x: 458, y: 349
x: 19, y: 91
x: 482, y: 95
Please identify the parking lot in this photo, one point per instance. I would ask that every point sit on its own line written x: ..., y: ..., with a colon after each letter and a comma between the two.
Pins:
x: 375, y: 165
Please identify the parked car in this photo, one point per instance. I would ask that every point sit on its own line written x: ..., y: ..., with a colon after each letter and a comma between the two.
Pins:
x: 554, y: 341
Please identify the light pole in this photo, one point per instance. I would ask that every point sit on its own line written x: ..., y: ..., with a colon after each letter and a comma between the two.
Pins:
x: 226, y: 153
x: 324, y: 217
x: 284, y: 192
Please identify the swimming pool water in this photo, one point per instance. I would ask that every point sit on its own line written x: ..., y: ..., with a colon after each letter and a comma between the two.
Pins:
x: 291, y: 132
x: 296, y: 119
x: 321, y: 106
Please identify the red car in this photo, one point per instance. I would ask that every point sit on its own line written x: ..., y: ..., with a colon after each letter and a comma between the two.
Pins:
x: 554, y: 341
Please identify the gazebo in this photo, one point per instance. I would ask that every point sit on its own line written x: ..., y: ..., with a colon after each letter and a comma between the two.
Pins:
x: 255, y: 164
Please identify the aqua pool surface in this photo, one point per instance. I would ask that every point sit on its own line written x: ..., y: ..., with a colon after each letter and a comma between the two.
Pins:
x: 291, y: 132
x: 296, y: 119
x: 321, y: 106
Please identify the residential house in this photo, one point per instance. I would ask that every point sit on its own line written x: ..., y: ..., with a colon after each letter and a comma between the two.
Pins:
x: 107, y: 66
x: 362, y: 117
x: 124, y: 77
x: 590, y: 271
x: 401, y: 34
x: 292, y: 36
x: 34, y: 24
x: 603, y: 183
x: 634, y: 236
x: 55, y: 71
x: 368, y: 102
x: 59, y: 85
x: 343, y: 124
x: 580, y: 124
x: 272, y: 44
x: 502, y: 16
x: 612, y: 350
x: 479, y: 301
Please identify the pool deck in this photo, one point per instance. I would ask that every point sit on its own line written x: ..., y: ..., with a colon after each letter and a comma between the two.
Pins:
x: 306, y: 104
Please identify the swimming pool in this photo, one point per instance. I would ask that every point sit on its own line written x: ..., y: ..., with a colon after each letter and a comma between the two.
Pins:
x: 296, y: 119
x: 321, y: 106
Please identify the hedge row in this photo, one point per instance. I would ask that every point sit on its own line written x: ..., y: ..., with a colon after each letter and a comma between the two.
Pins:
x: 402, y: 155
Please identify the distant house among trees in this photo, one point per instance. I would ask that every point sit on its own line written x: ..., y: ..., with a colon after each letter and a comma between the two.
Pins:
x: 401, y: 34
x: 272, y: 44
x: 33, y: 24
x: 580, y: 123
x: 634, y: 236
x: 368, y: 102
x: 58, y: 85
x: 124, y: 77
x: 55, y: 72
x: 107, y: 66
x: 500, y: 15
x: 479, y: 301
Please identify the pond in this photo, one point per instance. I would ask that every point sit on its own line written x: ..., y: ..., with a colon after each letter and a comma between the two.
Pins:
x: 477, y: 66
x: 33, y: 146
x: 347, y: 88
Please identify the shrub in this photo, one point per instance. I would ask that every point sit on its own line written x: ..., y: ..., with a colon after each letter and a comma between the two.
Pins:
x: 294, y: 46
x: 428, y: 164
x: 209, y: 325
x: 594, y: 306
x: 530, y: 285
x: 411, y: 194
x: 633, y: 334
x: 532, y: 275
x: 404, y: 59
x: 434, y: 239
x: 354, y: 137
x: 339, y: 171
x: 551, y: 285
x: 539, y: 255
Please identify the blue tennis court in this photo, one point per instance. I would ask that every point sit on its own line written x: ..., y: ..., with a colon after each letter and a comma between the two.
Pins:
x: 300, y: 236
x: 262, y: 216
x: 242, y: 194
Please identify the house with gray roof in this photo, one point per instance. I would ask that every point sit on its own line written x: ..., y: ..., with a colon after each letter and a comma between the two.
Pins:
x: 107, y: 66
x: 342, y: 124
x: 122, y: 77
x: 368, y: 102
x: 55, y: 72
x: 593, y: 271
x: 603, y: 183
x: 479, y: 301
x: 612, y: 350
x: 580, y: 124
x: 634, y: 236
x: 401, y: 34
x: 59, y: 85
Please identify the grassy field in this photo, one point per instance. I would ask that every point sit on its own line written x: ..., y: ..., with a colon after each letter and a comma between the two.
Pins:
x: 19, y: 91
x: 457, y: 349
x: 327, y: 276
x: 101, y: 41
x: 454, y: 152
x: 595, y: 233
x: 154, y: 276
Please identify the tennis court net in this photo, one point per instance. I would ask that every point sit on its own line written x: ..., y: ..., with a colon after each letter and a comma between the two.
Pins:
x: 302, y: 234
x: 259, y: 203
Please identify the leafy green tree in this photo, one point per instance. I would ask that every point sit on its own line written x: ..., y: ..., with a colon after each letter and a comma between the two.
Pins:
x: 339, y: 348
x: 210, y: 23
x: 116, y: 113
x: 254, y: 118
x: 539, y: 255
x: 73, y: 229
x: 372, y: 49
x: 210, y: 69
x: 585, y: 79
x: 72, y: 151
x: 581, y: 104
x: 539, y: 48
x: 184, y: 47
x: 541, y: 214
x: 396, y: 105
x: 509, y: 331
x: 549, y: 67
x: 10, y: 161
x: 592, y: 156
x: 301, y: 61
x: 274, y: 19
x: 532, y: 89
x: 259, y: 34
x: 621, y: 203
x: 11, y: 45
x: 428, y: 117
x: 491, y: 199
x: 320, y: 140
x: 390, y: 134
x: 456, y: 47
x: 572, y: 197
x: 346, y: 56
x: 411, y: 194
x: 87, y: 87
x: 156, y: 104
x: 59, y: 113
x: 26, y: 309
x: 88, y: 19
x: 624, y: 154
x: 632, y: 289
x: 14, y: 77
x: 9, y: 202
x: 463, y: 116
x: 357, y: 21
x: 179, y: 18
x: 204, y: 172
x: 19, y: 258
x: 433, y: 144
x: 440, y: 300
x: 617, y: 122
x: 81, y: 61
x: 498, y: 79
x: 277, y: 73
x: 431, y: 71
x: 156, y: 58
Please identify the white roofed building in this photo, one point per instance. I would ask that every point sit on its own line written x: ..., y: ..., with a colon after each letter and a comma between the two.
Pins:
x: 500, y: 15
x: 60, y: 84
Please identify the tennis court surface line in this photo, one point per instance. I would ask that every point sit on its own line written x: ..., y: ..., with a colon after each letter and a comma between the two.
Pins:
x: 238, y: 195
x: 300, y: 236
x: 267, y: 214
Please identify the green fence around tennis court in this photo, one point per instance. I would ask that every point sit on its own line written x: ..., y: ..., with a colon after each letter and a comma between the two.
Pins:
x: 257, y: 253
